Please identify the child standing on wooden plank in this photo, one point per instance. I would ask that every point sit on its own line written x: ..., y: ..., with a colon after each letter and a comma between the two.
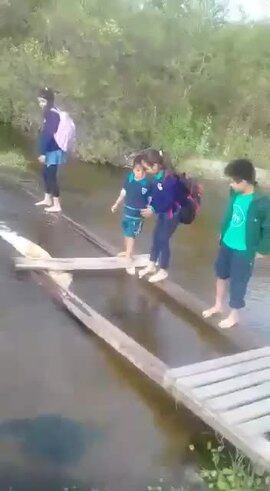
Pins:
x: 245, y: 232
x: 169, y: 197
x: 136, y: 196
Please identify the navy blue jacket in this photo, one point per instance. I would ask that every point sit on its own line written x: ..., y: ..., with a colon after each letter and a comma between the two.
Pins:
x: 51, y: 122
x: 168, y: 193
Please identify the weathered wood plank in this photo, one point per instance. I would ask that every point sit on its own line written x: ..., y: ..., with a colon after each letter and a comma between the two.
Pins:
x: 256, y: 426
x: 221, y: 388
x: 247, y: 412
x: 239, y: 438
x: 239, y: 397
x: 186, y: 300
x: 243, y: 339
x: 222, y: 362
x: 226, y: 373
x: 79, y: 263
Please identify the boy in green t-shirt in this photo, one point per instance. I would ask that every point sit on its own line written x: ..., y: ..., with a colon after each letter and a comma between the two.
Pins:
x: 245, y: 232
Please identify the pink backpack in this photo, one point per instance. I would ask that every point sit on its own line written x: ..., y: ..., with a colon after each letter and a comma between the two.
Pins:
x: 65, y: 135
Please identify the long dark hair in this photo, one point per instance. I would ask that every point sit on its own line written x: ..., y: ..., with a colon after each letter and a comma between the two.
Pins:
x: 152, y: 156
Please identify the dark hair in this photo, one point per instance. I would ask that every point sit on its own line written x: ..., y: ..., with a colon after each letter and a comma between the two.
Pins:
x: 137, y: 160
x: 47, y: 94
x: 152, y: 156
x: 241, y: 170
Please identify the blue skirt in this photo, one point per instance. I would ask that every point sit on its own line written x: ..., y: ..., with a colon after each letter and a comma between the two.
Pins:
x: 56, y: 157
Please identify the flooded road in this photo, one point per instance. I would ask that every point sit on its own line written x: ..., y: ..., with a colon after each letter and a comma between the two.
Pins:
x: 73, y: 413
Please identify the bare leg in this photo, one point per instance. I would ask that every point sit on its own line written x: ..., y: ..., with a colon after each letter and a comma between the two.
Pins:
x: 130, y: 242
x: 232, y: 319
x: 221, y: 288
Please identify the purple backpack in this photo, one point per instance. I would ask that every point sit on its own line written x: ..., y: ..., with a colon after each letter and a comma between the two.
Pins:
x: 65, y: 135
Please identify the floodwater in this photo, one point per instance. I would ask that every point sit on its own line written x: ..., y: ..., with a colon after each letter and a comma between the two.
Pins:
x: 72, y: 412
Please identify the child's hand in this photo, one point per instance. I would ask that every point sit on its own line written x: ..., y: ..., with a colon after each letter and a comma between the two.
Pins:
x: 114, y: 208
x: 147, y: 212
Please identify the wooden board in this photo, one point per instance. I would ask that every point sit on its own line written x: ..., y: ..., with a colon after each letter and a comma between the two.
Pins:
x: 58, y: 286
x: 222, y: 362
x: 129, y: 349
x: 245, y: 429
x: 240, y: 338
x: 232, y: 395
x: 79, y: 263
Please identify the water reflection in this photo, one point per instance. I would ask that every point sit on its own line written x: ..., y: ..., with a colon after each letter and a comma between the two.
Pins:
x: 52, y: 438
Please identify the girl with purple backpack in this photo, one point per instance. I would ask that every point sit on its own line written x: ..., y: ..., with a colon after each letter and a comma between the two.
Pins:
x: 175, y: 199
x: 169, y: 194
x: 56, y: 138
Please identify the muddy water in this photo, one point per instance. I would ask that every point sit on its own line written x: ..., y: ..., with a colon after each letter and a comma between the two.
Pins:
x: 73, y: 413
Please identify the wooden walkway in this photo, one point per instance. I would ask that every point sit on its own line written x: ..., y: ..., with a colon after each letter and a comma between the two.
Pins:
x: 232, y: 395
x: 79, y: 263
x: 240, y: 338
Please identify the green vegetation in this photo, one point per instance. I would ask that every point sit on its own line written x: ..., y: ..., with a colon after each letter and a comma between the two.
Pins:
x: 135, y: 73
x: 13, y: 159
x: 231, y: 471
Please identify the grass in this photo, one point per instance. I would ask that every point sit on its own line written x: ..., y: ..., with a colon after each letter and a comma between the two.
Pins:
x: 13, y: 159
x: 230, y: 470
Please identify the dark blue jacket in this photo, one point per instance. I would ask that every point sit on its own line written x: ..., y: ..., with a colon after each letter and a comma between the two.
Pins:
x: 168, y: 193
x: 51, y: 122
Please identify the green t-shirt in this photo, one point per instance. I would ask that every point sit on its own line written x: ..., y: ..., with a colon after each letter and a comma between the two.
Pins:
x: 235, y: 235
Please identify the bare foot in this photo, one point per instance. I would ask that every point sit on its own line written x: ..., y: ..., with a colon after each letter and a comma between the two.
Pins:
x: 149, y: 269
x: 217, y: 309
x: 230, y: 321
x: 53, y: 209
x: 44, y: 202
x: 122, y: 254
x: 161, y: 275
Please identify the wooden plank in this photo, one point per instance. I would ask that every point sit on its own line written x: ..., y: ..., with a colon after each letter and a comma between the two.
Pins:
x: 261, y: 446
x: 221, y: 388
x: 132, y: 351
x: 186, y: 300
x: 112, y: 335
x: 257, y: 426
x: 79, y: 263
x: 239, y: 438
x: 157, y: 372
x: 248, y: 411
x: 226, y: 373
x: 224, y: 361
x: 239, y: 397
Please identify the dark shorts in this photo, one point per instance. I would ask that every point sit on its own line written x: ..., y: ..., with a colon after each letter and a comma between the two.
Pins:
x: 237, y: 267
x: 131, y: 228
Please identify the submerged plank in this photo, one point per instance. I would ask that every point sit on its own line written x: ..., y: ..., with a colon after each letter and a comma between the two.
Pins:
x: 129, y: 349
x: 156, y: 370
x: 79, y: 263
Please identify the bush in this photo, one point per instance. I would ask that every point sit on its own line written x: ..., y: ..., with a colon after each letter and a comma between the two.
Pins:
x: 137, y: 74
x: 231, y: 471
x: 13, y: 159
